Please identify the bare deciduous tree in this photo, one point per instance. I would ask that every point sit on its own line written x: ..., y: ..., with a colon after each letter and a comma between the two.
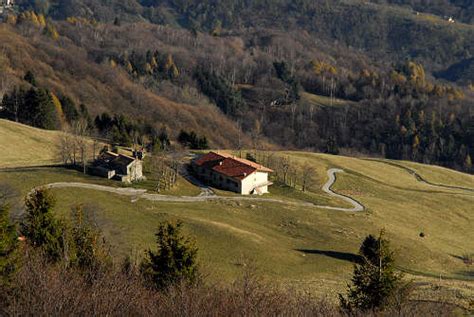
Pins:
x: 285, y: 167
x: 257, y: 133
x: 66, y: 147
x: 307, y: 177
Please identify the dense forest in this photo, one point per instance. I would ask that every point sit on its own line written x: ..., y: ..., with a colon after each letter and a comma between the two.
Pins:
x: 381, y: 30
x: 341, y: 77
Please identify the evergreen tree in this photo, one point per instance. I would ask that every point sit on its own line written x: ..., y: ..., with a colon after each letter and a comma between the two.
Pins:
x: 292, y: 85
x: 183, y: 138
x: 41, y: 228
x: 164, y: 139
x: 40, y: 110
x: 84, y: 114
x: 202, y: 144
x: 69, y: 109
x: 90, y: 253
x: 175, y: 258
x: 228, y: 99
x: 30, y: 78
x: 192, y: 140
x: 331, y: 146
x: 374, y: 281
x: 13, y: 104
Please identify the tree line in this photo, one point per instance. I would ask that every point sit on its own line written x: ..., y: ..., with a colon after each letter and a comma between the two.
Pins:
x: 41, y: 108
x: 271, y: 88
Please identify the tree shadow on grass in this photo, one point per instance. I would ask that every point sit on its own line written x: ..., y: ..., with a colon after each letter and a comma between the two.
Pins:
x: 345, y: 256
x: 467, y: 274
x: 466, y: 258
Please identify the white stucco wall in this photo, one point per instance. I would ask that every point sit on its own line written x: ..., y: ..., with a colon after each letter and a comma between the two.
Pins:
x: 135, y: 171
x: 245, y: 187
x: 253, y: 180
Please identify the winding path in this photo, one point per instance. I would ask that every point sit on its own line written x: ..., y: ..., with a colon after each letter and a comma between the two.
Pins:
x: 420, y: 178
x: 136, y: 194
x: 327, y: 188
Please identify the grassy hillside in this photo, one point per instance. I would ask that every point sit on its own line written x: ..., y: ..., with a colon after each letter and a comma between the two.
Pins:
x: 301, y: 246
x: 323, y: 101
x: 23, y: 145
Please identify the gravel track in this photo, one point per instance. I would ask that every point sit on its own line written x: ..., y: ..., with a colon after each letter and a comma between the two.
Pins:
x: 136, y: 194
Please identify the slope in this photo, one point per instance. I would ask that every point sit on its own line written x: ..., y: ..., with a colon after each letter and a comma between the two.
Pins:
x: 65, y: 68
x: 376, y: 27
x: 296, y: 244
x: 23, y: 145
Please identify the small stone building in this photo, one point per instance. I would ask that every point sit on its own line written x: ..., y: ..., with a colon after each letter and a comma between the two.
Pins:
x: 121, y: 167
x: 231, y: 173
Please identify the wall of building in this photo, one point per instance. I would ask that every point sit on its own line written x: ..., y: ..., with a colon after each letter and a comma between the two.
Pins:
x: 217, y: 180
x: 253, y: 180
x: 135, y: 171
x: 244, y: 187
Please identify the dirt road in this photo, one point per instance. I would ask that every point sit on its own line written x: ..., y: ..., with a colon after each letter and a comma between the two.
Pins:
x: 136, y: 194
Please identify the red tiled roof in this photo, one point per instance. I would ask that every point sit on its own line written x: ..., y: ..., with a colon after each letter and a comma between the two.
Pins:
x: 257, y: 166
x: 233, y: 168
x: 229, y: 165
x: 210, y: 157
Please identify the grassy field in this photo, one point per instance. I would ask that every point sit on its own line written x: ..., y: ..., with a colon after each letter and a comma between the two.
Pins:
x: 292, y: 244
x: 32, y: 146
x: 22, y: 145
x: 299, y: 246
x: 319, y: 100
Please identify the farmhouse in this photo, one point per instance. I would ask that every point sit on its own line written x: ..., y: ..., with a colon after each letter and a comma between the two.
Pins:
x: 118, y: 166
x: 231, y: 173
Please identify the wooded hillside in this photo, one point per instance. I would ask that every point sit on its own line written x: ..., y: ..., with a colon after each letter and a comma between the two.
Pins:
x: 344, y: 77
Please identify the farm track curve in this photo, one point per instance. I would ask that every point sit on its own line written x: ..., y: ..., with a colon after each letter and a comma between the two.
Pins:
x: 136, y: 194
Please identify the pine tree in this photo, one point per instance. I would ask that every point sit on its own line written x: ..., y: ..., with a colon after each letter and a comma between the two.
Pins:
x: 175, y: 259
x: 30, y: 78
x: 164, y: 139
x: 374, y: 281
x: 13, y: 105
x: 39, y: 110
x: 41, y: 228
x: 69, y: 109
x: 90, y: 254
